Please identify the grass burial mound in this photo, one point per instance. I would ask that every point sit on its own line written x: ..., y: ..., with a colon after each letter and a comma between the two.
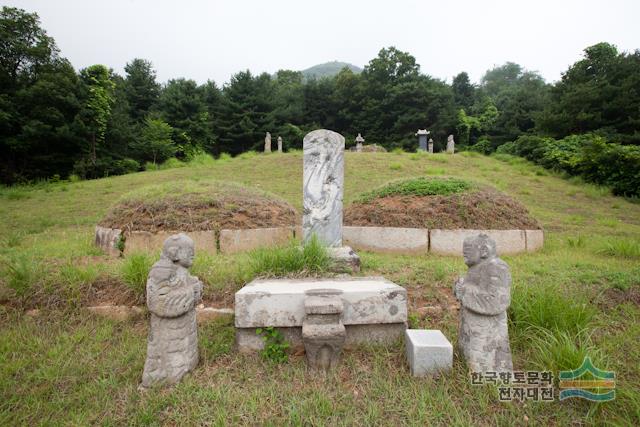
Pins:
x: 438, y: 203
x: 198, y: 206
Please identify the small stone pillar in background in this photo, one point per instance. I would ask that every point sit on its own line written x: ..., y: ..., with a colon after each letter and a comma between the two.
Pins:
x: 172, y: 296
x: 430, y: 145
x: 267, y: 143
x: 323, y: 333
x: 451, y: 145
x: 484, y: 295
x: 422, y: 135
x: 279, y: 144
x: 359, y: 141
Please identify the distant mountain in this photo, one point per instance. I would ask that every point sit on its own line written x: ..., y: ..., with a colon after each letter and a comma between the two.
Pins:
x: 329, y: 69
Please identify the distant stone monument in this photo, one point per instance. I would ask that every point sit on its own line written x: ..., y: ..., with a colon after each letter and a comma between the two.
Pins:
x: 430, y: 145
x: 267, y: 143
x: 172, y: 296
x: 359, y: 141
x: 484, y: 294
x: 422, y: 135
x: 279, y: 144
x: 451, y: 145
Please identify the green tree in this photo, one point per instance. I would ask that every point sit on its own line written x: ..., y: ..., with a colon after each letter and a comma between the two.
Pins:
x: 155, y: 143
x: 599, y: 93
x: 38, y: 101
x: 182, y: 105
x: 142, y: 90
x: 464, y: 93
x: 97, y: 106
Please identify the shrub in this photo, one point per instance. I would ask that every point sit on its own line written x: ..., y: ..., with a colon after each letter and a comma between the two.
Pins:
x: 588, y: 155
x: 418, y: 187
x: 134, y: 272
x: 201, y: 159
x: 397, y: 150
x: 171, y: 163
x: 395, y: 166
x: 483, y: 146
x: 124, y: 166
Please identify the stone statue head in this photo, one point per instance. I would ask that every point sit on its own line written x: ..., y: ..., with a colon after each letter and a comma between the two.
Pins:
x: 179, y: 248
x: 478, y: 248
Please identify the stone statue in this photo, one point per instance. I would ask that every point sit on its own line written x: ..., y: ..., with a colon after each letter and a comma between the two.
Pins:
x: 430, y: 145
x: 451, y: 144
x: 484, y: 295
x: 279, y: 144
x: 267, y: 143
x: 172, y: 296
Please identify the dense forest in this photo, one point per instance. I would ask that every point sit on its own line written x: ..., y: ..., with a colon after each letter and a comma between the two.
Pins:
x: 56, y: 121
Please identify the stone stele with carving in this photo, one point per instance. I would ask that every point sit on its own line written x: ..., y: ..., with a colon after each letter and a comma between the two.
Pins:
x: 172, y: 296
x: 484, y: 294
x: 323, y: 181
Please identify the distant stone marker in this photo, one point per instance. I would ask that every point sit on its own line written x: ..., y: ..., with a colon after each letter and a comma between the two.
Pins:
x: 430, y: 145
x: 323, y: 183
x: 359, y: 141
x: 172, y: 296
x: 267, y: 143
x: 451, y: 144
x: 422, y: 135
x: 279, y: 144
x: 484, y: 295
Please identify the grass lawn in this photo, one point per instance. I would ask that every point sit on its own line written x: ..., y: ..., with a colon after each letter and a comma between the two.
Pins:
x: 578, y: 296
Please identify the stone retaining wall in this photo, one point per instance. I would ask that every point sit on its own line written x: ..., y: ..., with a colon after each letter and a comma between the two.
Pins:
x: 374, y: 239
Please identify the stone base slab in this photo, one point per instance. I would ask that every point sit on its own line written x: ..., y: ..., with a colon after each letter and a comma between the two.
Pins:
x: 449, y: 242
x: 247, y: 341
x: 280, y: 302
x: 387, y: 239
x: 144, y: 241
x: 232, y: 241
x: 535, y: 240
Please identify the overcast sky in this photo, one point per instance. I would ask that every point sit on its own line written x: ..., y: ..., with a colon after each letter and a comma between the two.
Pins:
x: 214, y: 39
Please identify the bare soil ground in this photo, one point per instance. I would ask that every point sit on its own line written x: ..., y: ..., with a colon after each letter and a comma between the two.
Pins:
x: 483, y: 209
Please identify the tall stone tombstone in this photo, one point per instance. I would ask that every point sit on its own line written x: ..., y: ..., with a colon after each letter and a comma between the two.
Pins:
x: 323, y: 183
x: 267, y: 143
x: 430, y: 145
x: 279, y: 144
x: 451, y: 144
x: 422, y: 135
x: 359, y: 141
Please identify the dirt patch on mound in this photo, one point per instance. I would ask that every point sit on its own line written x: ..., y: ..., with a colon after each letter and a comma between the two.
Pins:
x: 484, y: 209
x: 195, y: 213
x: 613, y: 297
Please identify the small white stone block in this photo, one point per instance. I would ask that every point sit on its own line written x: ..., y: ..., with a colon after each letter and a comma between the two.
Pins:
x: 428, y: 352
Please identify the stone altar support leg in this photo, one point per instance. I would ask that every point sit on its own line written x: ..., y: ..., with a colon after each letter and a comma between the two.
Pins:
x: 323, y: 333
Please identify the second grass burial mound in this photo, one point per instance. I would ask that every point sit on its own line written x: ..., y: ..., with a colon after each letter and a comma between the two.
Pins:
x: 198, y: 206
x: 438, y: 203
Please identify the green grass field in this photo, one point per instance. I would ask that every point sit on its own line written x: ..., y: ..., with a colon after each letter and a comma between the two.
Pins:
x: 578, y: 296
